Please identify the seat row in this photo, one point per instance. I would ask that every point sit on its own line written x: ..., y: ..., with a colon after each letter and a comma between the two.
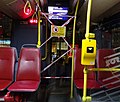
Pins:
x: 106, y: 58
x: 26, y: 78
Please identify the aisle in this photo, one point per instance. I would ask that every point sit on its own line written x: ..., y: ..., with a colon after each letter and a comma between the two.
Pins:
x: 60, y: 92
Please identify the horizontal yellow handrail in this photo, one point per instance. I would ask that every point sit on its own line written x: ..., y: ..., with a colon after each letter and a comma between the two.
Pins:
x: 104, y: 69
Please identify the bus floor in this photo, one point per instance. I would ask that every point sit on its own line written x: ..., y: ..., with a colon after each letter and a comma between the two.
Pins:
x: 58, y: 90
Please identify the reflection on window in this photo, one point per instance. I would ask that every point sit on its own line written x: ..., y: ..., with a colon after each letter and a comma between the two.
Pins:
x: 5, y: 30
x: 4, y: 43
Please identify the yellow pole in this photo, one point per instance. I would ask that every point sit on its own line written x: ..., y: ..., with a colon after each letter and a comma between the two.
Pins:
x: 39, y: 37
x: 88, y: 19
x: 73, y: 46
x: 85, y: 84
x: 86, y: 98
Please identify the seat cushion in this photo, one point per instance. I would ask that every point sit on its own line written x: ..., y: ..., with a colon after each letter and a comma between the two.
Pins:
x: 24, y: 86
x: 90, y: 83
x: 4, y: 84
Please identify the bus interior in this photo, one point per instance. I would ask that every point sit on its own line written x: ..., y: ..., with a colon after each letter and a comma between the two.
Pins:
x: 59, y: 50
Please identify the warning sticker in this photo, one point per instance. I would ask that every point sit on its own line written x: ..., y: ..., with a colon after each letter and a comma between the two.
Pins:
x: 58, y: 31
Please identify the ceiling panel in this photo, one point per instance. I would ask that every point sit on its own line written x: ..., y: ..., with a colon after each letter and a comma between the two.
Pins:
x: 14, y: 8
x: 99, y: 7
x: 18, y: 7
x: 8, y: 1
x: 6, y: 10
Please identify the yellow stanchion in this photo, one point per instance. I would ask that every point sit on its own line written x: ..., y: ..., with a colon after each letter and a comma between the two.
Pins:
x: 85, y: 84
x: 88, y: 35
x: 85, y: 98
x: 73, y: 46
x: 39, y: 37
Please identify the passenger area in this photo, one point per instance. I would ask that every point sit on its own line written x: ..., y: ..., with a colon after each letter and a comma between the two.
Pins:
x: 109, y: 80
x: 59, y: 50
x: 28, y: 75
x: 25, y: 76
x: 79, y: 75
x: 101, y: 85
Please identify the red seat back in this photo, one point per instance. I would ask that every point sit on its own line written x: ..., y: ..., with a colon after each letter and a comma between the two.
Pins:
x: 101, y: 54
x: 78, y: 71
x: 7, y: 61
x: 29, y: 65
x: 101, y: 62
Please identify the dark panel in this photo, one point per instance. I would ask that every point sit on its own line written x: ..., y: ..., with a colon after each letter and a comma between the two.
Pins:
x: 23, y: 34
x: 58, y: 2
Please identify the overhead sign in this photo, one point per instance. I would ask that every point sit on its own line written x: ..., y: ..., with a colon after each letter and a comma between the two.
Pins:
x: 58, y: 31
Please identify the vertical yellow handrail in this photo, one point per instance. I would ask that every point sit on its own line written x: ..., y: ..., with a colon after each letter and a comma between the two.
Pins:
x: 73, y: 46
x: 39, y: 37
x: 86, y: 98
x: 87, y: 35
x: 85, y: 83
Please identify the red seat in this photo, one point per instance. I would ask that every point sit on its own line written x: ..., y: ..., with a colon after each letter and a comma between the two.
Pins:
x: 79, y: 75
x: 102, y: 62
x: 28, y: 73
x: 7, y: 61
x: 101, y: 54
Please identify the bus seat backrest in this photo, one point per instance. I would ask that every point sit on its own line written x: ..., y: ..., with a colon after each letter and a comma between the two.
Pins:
x: 78, y: 71
x: 29, y: 65
x: 7, y: 61
x: 101, y: 62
